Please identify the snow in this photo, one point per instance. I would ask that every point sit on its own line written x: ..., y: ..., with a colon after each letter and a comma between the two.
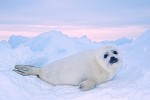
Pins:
x: 120, y: 41
x: 131, y: 83
x: 15, y: 41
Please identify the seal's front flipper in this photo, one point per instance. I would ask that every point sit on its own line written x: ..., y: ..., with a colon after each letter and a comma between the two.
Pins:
x: 87, y: 85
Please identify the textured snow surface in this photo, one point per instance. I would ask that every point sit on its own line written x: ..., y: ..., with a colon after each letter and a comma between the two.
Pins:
x: 131, y: 83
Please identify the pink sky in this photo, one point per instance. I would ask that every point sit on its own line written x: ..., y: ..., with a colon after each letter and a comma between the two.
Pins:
x: 97, y: 19
x: 94, y: 33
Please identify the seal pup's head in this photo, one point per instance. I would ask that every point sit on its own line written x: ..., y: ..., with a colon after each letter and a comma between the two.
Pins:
x: 109, y: 57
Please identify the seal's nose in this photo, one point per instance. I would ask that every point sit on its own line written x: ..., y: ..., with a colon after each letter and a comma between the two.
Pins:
x: 113, y: 60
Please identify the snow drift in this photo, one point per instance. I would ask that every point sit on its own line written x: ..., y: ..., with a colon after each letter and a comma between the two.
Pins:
x: 131, y: 83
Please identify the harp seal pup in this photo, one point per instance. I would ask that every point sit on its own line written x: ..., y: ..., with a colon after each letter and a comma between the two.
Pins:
x: 85, y: 69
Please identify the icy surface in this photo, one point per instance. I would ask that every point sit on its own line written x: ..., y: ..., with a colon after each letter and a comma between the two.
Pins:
x: 131, y: 83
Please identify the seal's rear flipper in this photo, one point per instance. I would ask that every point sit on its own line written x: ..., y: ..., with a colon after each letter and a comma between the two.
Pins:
x: 26, y: 70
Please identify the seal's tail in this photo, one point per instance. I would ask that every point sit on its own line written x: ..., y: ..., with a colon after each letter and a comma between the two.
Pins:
x: 26, y: 70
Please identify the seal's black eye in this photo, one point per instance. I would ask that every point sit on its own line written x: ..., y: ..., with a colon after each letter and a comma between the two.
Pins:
x: 106, y: 55
x: 115, y: 52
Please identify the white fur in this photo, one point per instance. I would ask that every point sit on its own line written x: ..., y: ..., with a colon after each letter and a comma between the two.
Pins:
x: 86, y: 69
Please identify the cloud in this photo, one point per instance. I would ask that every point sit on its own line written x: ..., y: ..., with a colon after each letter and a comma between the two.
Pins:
x: 78, y: 12
x: 92, y: 15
